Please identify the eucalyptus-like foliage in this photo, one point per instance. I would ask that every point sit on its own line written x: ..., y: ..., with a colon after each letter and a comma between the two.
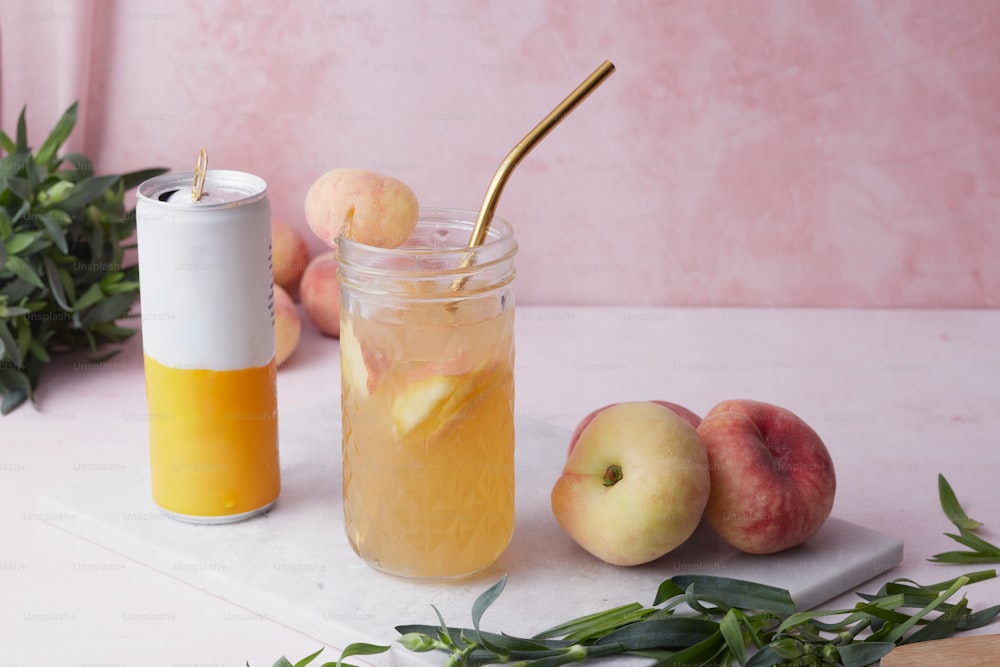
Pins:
x: 64, y: 232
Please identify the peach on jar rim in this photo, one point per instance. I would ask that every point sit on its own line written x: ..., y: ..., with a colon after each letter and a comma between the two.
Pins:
x: 365, y: 206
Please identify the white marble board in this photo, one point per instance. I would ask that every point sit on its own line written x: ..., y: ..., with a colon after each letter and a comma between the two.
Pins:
x: 295, y: 567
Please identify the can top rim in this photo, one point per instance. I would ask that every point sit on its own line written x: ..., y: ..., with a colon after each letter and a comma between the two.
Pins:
x: 248, y: 187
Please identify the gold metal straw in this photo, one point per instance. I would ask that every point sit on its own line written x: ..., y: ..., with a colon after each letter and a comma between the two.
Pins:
x: 200, y: 169
x: 517, y: 153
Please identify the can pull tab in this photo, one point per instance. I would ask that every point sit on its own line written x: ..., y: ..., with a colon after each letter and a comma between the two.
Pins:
x: 200, y: 169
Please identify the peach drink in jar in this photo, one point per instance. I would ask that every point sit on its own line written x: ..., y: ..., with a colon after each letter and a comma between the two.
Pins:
x: 427, y: 354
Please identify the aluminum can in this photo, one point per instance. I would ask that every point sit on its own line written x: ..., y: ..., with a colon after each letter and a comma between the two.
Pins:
x: 207, y: 301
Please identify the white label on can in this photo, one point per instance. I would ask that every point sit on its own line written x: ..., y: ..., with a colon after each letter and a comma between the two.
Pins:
x: 206, y: 288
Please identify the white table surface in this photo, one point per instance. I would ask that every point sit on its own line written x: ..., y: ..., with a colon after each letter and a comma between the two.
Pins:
x: 898, y: 396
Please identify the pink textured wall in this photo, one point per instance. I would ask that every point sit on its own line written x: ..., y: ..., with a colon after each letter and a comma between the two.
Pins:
x: 749, y: 152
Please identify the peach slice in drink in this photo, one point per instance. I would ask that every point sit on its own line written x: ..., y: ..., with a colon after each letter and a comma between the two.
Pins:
x: 361, y: 369
x: 429, y: 405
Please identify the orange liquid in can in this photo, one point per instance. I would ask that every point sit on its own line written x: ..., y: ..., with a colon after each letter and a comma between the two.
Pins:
x: 213, y: 439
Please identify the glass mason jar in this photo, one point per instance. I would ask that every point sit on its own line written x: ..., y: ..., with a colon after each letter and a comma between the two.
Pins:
x: 427, y: 397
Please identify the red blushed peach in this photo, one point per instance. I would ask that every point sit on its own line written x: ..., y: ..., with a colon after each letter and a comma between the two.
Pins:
x: 773, y: 481
x: 289, y: 256
x: 319, y: 291
x: 287, y: 325
x: 635, y: 485
x: 365, y: 206
x: 680, y: 410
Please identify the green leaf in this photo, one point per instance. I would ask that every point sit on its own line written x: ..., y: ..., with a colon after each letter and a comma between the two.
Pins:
x: 766, y: 657
x: 110, y: 309
x: 738, y: 593
x: 704, y: 652
x: 359, y: 648
x: 941, y: 627
x: 10, y: 165
x: 485, y: 599
x: 136, y: 178
x: 21, y: 212
x: 11, y: 399
x: 952, y: 509
x: 974, y: 542
x: 81, y: 165
x: 6, y: 143
x: 971, y: 577
x: 897, y: 633
x: 672, y: 632
x: 122, y: 287
x: 31, y: 174
x: 89, y: 298
x: 20, y: 187
x: 86, y: 191
x: 16, y: 291
x: 39, y: 351
x: 23, y: 270
x: 6, y: 225
x: 863, y: 654
x: 963, y: 558
x: 591, y: 625
x: 733, y: 634
x: 55, y: 140
x: 13, y: 311
x: 667, y: 591
x: 306, y: 660
x: 979, y: 618
x: 55, y: 284
x: 16, y: 386
x: 22, y: 132
x: 19, y: 241
x: 803, y: 617
x: 282, y: 662
x: 112, y: 332
x: 23, y: 336
x: 8, y: 346
x: 53, y: 222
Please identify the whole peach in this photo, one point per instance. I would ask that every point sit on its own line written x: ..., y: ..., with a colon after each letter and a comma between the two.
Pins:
x: 773, y: 481
x: 365, y: 206
x: 684, y: 413
x: 635, y: 485
x: 319, y: 291
x: 289, y: 256
x: 287, y: 325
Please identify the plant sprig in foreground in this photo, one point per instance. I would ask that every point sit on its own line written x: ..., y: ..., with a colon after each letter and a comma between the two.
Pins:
x: 710, y: 620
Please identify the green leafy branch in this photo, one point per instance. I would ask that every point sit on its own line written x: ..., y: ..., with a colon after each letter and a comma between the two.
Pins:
x: 722, y: 621
x: 64, y: 282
